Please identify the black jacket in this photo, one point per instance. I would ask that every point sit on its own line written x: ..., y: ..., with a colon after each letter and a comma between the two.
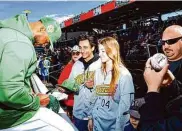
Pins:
x: 153, y: 117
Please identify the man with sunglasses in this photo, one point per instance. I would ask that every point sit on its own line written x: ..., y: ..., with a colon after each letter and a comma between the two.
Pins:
x: 163, y: 102
x: 171, y: 90
x: 172, y: 48
x: 172, y: 42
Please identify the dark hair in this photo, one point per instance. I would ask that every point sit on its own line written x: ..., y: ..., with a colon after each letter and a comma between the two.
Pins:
x: 91, y: 39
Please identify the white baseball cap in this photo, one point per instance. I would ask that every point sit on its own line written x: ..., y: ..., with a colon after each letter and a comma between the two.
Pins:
x: 76, y: 48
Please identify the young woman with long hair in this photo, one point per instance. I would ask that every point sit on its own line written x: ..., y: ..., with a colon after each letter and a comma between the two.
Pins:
x: 114, y: 90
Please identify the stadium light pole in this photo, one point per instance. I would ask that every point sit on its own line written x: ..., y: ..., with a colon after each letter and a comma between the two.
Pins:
x: 26, y: 13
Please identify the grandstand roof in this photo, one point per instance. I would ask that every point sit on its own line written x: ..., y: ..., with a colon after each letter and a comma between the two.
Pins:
x: 121, y: 14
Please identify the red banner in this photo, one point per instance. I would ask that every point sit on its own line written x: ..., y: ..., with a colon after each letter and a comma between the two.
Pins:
x: 108, y: 6
x: 68, y: 22
x: 86, y: 15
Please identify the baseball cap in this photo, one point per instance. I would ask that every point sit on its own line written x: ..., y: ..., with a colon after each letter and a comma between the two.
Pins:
x: 53, y: 104
x: 76, y: 48
x: 70, y: 85
x: 134, y: 108
x: 53, y: 29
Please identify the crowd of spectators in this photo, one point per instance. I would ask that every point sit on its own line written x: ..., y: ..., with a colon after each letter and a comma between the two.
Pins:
x: 57, y: 58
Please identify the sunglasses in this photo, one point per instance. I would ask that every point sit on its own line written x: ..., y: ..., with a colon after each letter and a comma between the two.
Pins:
x: 171, y: 41
x: 75, y: 53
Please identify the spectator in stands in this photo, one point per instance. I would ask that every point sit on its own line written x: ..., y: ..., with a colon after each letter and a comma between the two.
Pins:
x: 38, y: 65
x: 65, y: 55
x: 46, y: 66
x: 83, y: 72
x: 152, y: 117
x: 140, y: 35
x: 114, y: 90
x: 19, y: 108
x: 41, y: 68
x: 76, y: 55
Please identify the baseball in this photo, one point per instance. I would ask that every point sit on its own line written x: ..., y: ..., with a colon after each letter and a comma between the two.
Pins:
x: 158, y: 61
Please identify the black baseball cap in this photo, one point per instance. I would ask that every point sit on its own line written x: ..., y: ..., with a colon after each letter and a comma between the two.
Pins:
x: 134, y: 108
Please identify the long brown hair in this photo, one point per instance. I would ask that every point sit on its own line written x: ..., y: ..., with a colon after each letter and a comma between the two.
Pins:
x: 113, y: 51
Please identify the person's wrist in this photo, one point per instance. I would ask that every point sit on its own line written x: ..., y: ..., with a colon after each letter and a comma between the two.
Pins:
x: 153, y: 89
x: 89, y: 118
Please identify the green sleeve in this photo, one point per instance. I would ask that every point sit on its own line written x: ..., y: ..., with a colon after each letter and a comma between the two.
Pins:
x: 17, y: 61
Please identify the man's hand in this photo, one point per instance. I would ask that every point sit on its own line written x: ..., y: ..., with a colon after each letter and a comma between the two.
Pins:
x: 167, y: 80
x: 90, y: 125
x: 154, y: 79
x: 61, y: 90
x: 44, y: 99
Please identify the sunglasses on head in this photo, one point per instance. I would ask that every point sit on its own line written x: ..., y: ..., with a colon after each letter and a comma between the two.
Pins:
x: 171, y: 41
x: 75, y: 53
